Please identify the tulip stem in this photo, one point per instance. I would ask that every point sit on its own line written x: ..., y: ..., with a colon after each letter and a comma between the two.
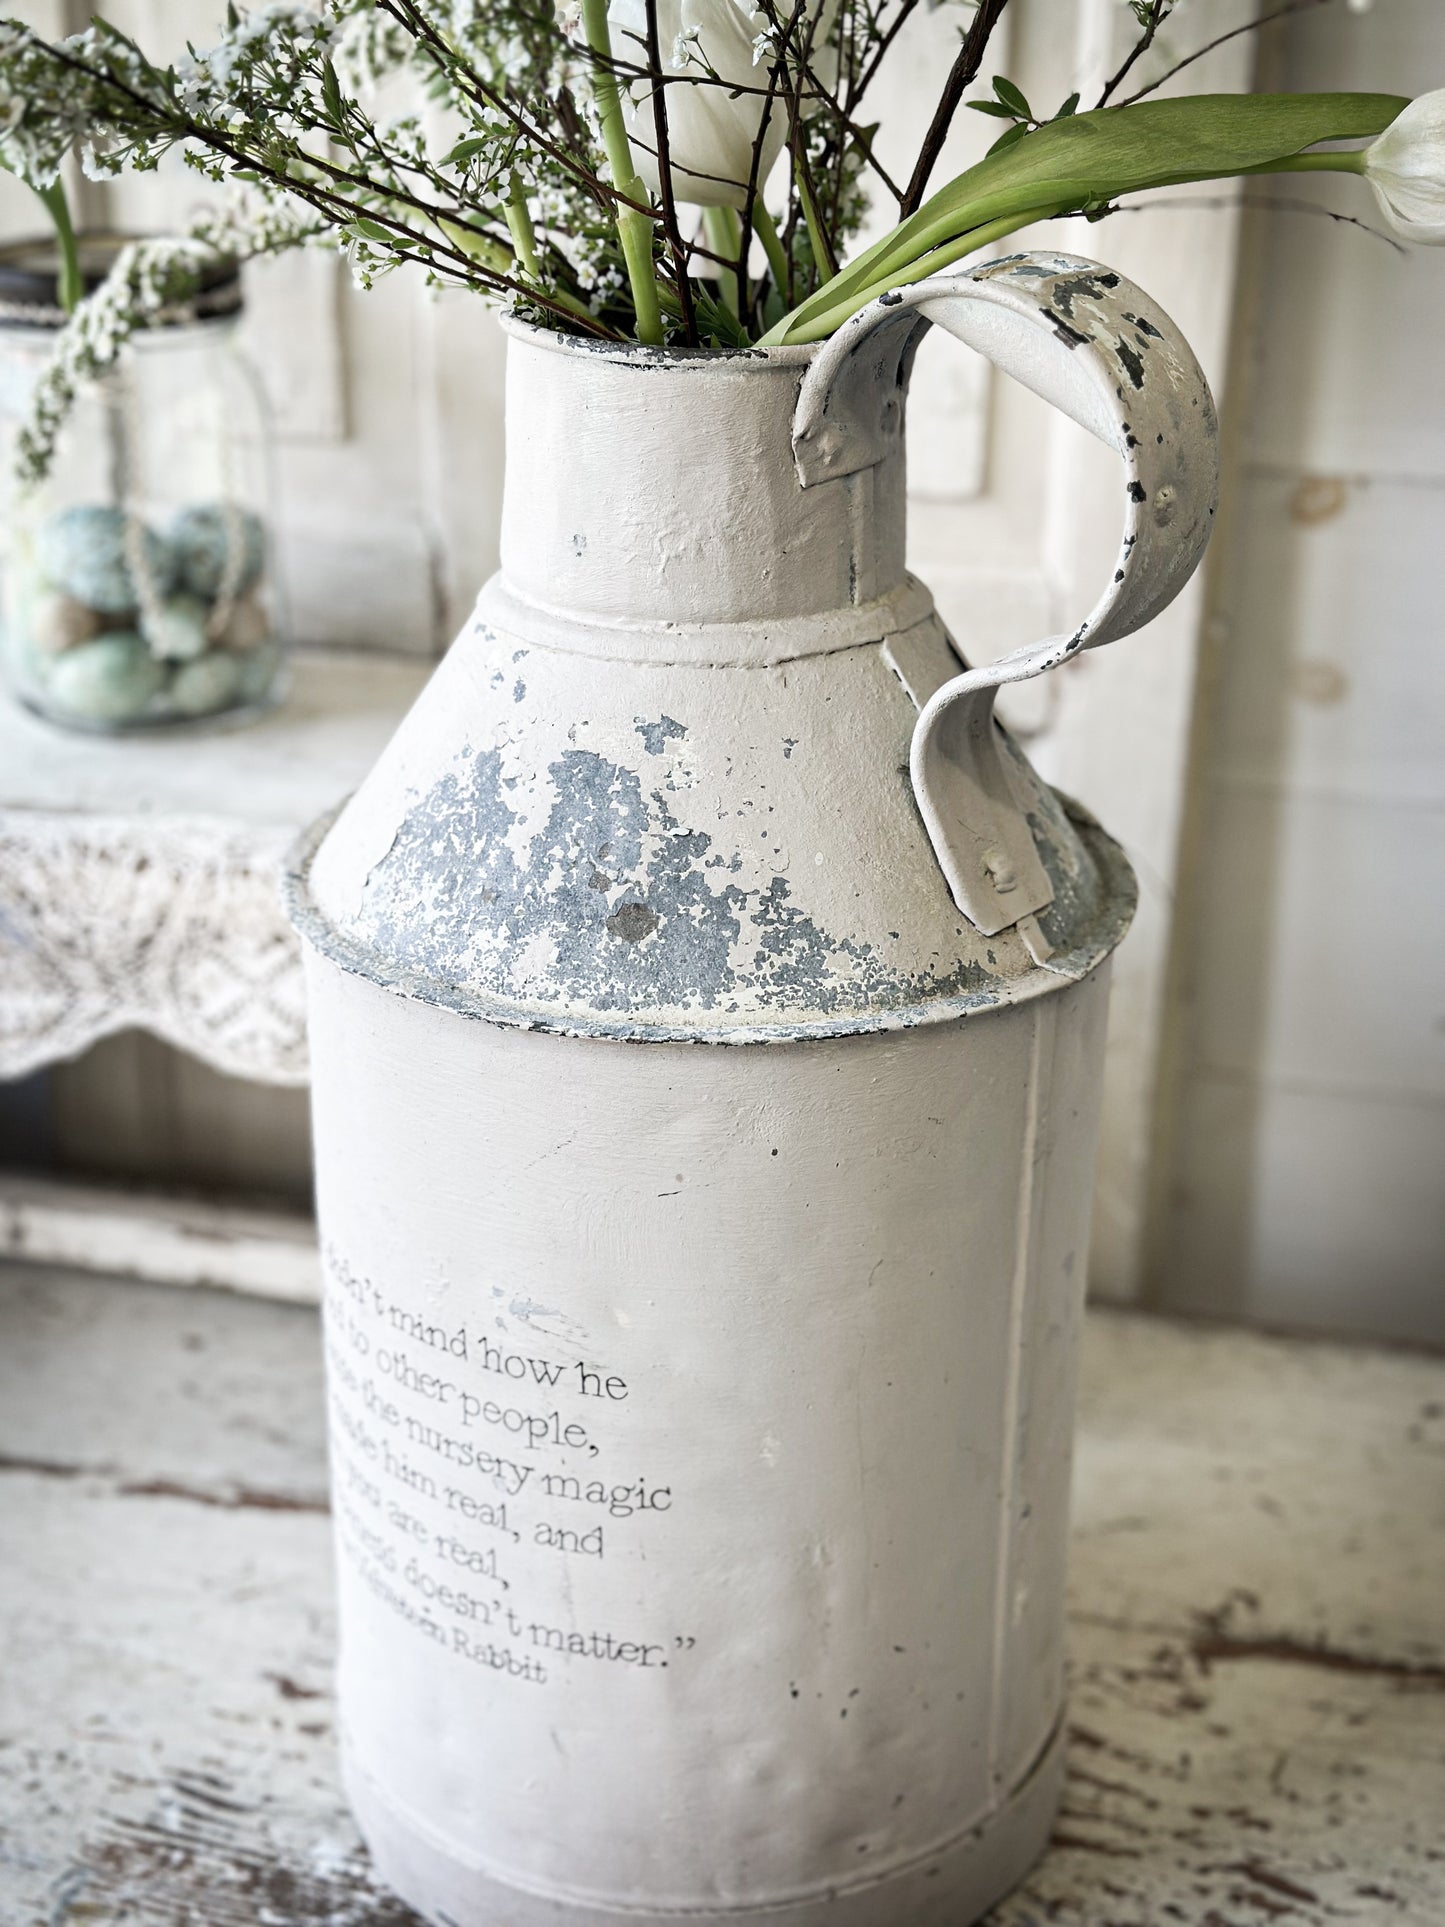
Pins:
x: 766, y: 230
x: 724, y: 239
x: 819, y: 326
x: 69, y: 286
x: 1339, y: 160
x: 634, y: 228
x: 519, y: 226
x: 817, y: 241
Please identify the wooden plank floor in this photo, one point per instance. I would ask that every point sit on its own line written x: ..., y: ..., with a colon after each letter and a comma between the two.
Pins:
x: 1258, y: 1627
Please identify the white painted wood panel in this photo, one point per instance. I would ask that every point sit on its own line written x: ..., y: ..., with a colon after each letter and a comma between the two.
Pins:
x: 136, y: 1110
x: 1301, y: 1147
x: 1335, y: 664
x: 1357, y: 386
x: 1308, y: 1208
x: 1322, y: 970
x: 292, y: 336
x: 461, y: 361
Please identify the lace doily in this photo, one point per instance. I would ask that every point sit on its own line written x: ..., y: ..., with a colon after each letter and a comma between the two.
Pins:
x: 171, y: 925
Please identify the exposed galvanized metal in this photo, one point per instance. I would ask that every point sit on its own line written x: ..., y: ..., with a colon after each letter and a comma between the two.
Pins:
x: 660, y: 791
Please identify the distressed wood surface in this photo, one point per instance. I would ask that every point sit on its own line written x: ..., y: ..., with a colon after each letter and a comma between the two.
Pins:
x: 1258, y: 1639
x: 169, y: 1240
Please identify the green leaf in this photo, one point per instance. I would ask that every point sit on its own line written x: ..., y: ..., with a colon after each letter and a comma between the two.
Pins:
x: 331, y: 91
x: 363, y: 230
x: 1070, y: 106
x: 995, y: 107
x: 464, y: 150
x: 1009, y: 136
x: 1092, y: 158
x: 716, y: 320
x: 1012, y: 98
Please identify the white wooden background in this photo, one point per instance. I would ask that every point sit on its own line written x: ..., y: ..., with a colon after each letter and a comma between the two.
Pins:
x: 389, y: 410
x: 1302, y: 1128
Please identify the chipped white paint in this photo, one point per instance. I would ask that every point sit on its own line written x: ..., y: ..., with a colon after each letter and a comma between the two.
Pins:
x: 1104, y: 354
x: 702, y: 1418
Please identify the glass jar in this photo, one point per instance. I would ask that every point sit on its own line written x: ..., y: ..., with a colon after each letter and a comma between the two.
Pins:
x: 136, y: 586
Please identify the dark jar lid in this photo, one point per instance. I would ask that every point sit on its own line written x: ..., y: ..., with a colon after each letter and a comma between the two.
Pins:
x: 28, y: 272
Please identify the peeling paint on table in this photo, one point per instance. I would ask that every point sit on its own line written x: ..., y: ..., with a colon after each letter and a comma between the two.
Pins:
x: 1258, y: 1644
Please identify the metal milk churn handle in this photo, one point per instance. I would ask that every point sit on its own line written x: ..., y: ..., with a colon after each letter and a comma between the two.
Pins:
x: 1099, y: 349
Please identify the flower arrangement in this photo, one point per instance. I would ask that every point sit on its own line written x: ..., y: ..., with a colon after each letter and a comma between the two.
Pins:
x: 686, y: 172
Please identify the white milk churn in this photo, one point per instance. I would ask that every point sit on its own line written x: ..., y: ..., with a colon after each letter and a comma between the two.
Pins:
x: 707, y: 1010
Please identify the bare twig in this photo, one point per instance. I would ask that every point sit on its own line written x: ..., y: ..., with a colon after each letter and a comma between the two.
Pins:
x: 803, y: 182
x: 860, y: 137
x: 670, y: 226
x: 1159, y: 12
x: 416, y: 23
x: 755, y: 162
x: 960, y: 76
x: 421, y: 248
x: 777, y: 72
x: 884, y: 43
x: 1249, y: 26
x: 1269, y: 203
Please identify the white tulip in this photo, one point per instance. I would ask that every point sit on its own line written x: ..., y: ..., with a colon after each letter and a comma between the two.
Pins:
x: 711, y: 131
x: 1406, y: 168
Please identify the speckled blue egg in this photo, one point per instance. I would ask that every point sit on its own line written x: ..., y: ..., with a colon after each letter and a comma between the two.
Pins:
x: 110, y: 680
x: 59, y: 622
x: 176, y: 631
x: 81, y: 552
x: 247, y: 627
x: 201, y: 538
x: 258, y: 670
x: 209, y: 683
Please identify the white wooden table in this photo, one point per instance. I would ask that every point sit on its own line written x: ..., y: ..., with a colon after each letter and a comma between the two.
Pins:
x: 1257, y: 1627
x: 138, y: 875
x: 139, y: 889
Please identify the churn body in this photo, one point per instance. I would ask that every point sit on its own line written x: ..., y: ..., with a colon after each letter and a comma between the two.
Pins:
x: 704, y: 1202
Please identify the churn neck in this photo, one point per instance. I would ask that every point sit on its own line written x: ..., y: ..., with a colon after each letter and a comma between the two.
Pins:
x: 655, y: 486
